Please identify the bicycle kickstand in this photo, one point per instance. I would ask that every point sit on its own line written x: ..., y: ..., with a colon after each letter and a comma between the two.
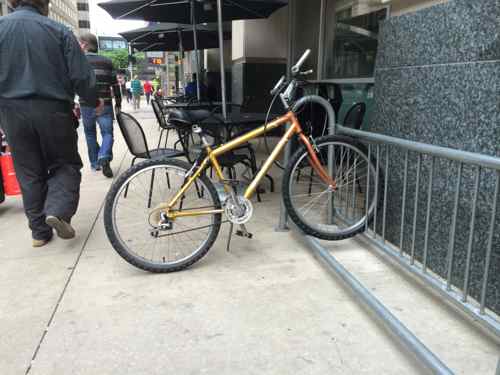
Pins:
x: 231, y: 226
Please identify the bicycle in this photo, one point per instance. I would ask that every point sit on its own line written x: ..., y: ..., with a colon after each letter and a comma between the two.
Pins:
x: 165, y: 215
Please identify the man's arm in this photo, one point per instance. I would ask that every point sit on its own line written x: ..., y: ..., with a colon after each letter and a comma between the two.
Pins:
x: 115, y: 86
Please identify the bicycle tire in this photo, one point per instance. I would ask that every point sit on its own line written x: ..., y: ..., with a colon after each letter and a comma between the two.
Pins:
x: 114, y: 237
x: 297, y: 158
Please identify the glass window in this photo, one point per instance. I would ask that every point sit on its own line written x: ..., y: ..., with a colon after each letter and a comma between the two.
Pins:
x: 106, y: 44
x: 306, y: 25
x: 119, y: 44
x: 351, y: 44
x: 83, y: 6
x: 83, y: 24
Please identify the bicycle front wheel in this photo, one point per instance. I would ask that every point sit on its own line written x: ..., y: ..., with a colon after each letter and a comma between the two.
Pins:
x: 315, y: 207
x: 130, y: 222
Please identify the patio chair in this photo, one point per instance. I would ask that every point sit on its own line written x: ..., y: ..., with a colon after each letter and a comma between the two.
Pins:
x: 183, y: 120
x: 355, y: 116
x: 353, y: 119
x: 138, y: 146
x: 136, y: 140
x: 163, y: 125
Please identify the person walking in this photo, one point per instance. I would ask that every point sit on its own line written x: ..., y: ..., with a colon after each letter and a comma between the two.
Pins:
x: 100, y: 156
x: 156, y: 84
x: 41, y: 71
x: 148, y: 90
x: 136, y: 88
x: 128, y: 87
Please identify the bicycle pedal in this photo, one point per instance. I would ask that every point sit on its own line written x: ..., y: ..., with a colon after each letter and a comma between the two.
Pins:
x: 243, y: 234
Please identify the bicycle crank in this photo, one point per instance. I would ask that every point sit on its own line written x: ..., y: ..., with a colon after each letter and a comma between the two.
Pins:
x: 238, y: 209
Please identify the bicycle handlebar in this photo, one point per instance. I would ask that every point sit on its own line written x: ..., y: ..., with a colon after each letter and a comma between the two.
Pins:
x: 296, y: 67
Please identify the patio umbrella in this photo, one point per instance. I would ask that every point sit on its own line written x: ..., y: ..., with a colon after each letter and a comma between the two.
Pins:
x: 180, y: 11
x: 170, y: 37
x: 174, y: 37
x: 194, y: 12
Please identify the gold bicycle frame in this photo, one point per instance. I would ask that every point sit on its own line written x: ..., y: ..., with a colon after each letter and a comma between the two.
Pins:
x: 212, y: 155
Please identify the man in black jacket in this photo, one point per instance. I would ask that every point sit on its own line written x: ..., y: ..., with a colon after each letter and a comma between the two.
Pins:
x: 41, y: 69
x: 100, y: 155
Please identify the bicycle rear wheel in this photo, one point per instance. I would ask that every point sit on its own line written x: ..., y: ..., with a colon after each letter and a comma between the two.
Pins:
x: 321, y: 211
x: 132, y: 229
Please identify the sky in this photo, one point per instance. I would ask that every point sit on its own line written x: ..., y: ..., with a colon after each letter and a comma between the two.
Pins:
x: 102, y: 24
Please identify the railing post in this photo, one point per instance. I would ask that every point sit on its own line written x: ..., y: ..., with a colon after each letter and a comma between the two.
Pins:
x: 405, y: 180
x: 451, y: 248
x: 415, y: 210
x: 428, y: 215
x: 490, y: 245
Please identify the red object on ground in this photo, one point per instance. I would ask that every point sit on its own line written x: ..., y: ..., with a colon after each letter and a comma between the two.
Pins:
x: 10, y: 184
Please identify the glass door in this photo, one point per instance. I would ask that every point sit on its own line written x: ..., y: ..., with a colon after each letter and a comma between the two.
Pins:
x: 350, y: 51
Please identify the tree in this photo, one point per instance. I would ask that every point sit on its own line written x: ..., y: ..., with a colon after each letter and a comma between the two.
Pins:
x: 119, y: 57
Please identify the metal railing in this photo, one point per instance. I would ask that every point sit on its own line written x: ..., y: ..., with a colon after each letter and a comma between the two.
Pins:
x: 442, y: 225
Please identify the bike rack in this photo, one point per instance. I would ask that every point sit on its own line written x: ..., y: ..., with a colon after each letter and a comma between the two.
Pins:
x: 403, y: 335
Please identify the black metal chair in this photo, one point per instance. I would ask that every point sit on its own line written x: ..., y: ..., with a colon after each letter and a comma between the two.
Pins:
x: 183, y: 120
x: 136, y: 140
x: 353, y: 119
x: 138, y: 146
x: 355, y: 116
x: 163, y: 125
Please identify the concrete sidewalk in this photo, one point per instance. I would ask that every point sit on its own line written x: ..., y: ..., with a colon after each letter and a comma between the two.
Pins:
x: 266, y: 307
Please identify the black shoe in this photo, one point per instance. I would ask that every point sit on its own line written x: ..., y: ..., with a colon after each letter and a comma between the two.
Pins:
x: 106, y: 170
x: 63, y: 229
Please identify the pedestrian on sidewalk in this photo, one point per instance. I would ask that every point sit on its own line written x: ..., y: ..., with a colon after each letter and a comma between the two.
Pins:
x: 41, y: 70
x: 128, y: 86
x: 136, y: 87
x: 148, y: 90
x: 100, y: 156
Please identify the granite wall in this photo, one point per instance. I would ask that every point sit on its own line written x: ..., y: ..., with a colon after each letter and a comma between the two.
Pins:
x: 438, y: 82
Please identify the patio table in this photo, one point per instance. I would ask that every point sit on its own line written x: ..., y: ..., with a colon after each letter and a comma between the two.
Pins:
x: 192, y: 106
x: 236, y: 120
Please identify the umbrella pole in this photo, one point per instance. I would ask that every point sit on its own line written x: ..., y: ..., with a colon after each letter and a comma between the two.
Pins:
x: 130, y: 66
x: 193, y: 22
x: 221, y: 56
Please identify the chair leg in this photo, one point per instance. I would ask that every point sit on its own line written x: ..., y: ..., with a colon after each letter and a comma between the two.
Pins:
x: 176, y: 143
x: 310, y: 182
x: 166, y: 138
x: 126, y: 188
x: 271, y: 182
x: 298, y: 174
x: 159, y: 140
x: 168, y: 181
x: 151, y: 188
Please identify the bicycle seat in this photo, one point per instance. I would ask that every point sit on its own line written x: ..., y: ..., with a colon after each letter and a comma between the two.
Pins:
x: 188, y: 117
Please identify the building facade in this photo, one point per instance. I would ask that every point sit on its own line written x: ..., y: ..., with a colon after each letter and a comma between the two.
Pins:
x: 83, y: 16
x: 3, y: 8
x: 65, y: 12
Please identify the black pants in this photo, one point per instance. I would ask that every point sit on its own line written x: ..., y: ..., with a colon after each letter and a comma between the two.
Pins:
x: 43, y: 141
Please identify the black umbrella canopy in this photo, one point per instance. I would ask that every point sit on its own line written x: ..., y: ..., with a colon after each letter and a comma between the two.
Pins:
x: 180, y: 10
x: 170, y: 41
x: 168, y: 36
x: 169, y: 32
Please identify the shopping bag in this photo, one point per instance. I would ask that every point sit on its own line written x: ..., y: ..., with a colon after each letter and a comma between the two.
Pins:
x: 10, y: 183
